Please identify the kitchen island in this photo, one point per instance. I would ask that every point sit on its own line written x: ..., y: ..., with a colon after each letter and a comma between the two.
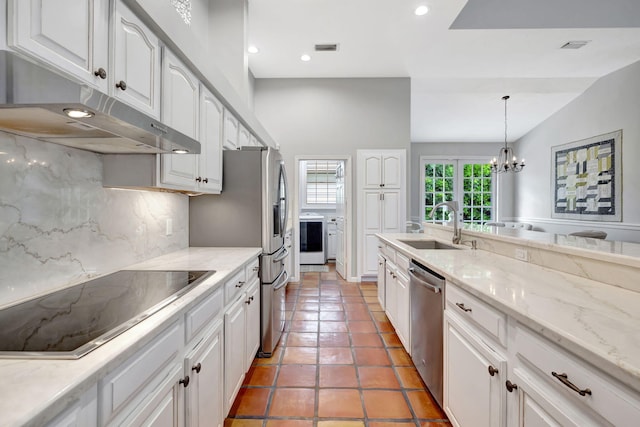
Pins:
x: 35, y: 391
x: 532, y: 310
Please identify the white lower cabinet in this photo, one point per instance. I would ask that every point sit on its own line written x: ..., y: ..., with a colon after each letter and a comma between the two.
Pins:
x: 535, y: 383
x: 382, y: 264
x: 403, y: 308
x: 390, y: 291
x: 474, y: 394
x: 205, y: 366
x: 252, y: 344
x: 163, y: 406
x: 234, y: 350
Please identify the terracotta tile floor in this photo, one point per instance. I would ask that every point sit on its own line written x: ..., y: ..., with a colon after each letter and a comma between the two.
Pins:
x: 339, y: 364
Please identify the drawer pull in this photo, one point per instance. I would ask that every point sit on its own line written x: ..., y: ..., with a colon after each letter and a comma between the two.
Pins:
x: 240, y: 284
x: 564, y: 379
x: 256, y: 268
x: 197, y: 368
x: 492, y: 370
x: 462, y: 307
x: 185, y: 381
x: 511, y: 386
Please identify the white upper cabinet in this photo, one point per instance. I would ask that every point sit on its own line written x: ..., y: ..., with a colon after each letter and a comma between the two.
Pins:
x: 383, y: 169
x: 244, y: 137
x: 136, y: 62
x: 72, y: 35
x: 231, y: 131
x: 211, y: 135
x: 180, y: 108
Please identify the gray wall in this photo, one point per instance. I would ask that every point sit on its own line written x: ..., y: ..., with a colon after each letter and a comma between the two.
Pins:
x: 334, y: 117
x: 453, y: 151
x: 610, y: 104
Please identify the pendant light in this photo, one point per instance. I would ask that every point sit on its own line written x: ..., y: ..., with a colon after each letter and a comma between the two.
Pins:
x: 506, y: 160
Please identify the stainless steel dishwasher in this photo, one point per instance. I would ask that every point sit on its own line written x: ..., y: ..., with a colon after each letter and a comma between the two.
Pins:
x: 427, y: 290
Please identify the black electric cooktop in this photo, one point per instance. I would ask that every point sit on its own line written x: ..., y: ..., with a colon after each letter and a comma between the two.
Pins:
x: 71, y: 322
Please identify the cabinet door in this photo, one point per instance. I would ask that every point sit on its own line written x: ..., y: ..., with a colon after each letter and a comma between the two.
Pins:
x: 391, y: 212
x: 372, y: 212
x: 372, y: 164
x: 234, y: 349
x: 244, y: 137
x: 204, y: 395
x: 69, y: 34
x: 472, y: 397
x: 340, y: 255
x: 136, y: 62
x: 211, y: 134
x: 392, y: 169
x: 163, y: 407
x: 381, y: 279
x: 231, y: 129
x: 331, y: 244
x: 391, y: 294
x: 253, y: 323
x: 403, y: 310
x: 180, y: 102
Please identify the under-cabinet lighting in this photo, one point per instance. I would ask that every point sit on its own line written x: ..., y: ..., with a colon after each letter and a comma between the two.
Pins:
x: 253, y: 49
x: 180, y: 151
x: 305, y: 58
x: 75, y: 113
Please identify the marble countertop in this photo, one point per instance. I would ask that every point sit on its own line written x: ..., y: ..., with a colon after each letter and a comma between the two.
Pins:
x: 626, y: 253
x: 35, y: 390
x: 598, y: 322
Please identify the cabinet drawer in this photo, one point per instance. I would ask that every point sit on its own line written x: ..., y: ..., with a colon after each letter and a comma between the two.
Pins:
x: 402, y: 261
x: 389, y: 252
x: 142, y: 370
x: 234, y: 285
x: 199, y: 316
x: 252, y: 269
x: 607, y: 398
x: 482, y: 314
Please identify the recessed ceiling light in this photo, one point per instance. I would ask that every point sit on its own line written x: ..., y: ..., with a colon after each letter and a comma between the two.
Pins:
x: 305, y: 58
x: 421, y: 10
x: 253, y: 49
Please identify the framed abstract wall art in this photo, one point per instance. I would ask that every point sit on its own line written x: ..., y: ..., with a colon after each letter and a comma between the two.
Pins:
x: 587, y: 179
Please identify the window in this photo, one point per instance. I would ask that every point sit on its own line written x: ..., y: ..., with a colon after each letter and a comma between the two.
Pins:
x: 320, y: 182
x: 467, y: 181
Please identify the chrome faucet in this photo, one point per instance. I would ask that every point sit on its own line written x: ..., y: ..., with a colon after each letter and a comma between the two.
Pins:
x: 457, y: 234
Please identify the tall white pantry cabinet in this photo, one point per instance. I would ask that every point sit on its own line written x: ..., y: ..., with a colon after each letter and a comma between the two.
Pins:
x: 381, y: 202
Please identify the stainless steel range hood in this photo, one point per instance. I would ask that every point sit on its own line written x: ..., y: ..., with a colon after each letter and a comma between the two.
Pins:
x: 35, y: 101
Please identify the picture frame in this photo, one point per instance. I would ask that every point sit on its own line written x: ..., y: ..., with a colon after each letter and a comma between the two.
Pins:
x: 586, y: 183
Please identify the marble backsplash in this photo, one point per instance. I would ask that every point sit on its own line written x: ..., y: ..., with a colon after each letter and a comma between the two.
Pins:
x: 59, y: 226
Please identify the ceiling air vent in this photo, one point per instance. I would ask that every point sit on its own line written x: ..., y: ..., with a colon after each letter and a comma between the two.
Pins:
x: 327, y: 47
x: 576, y: 44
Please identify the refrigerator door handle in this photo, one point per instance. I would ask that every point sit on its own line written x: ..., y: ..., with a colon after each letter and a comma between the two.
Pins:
x: 284, y: 281
x: 282, y: 255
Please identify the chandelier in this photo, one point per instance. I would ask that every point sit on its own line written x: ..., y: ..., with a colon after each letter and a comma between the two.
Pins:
x: 506, y: 160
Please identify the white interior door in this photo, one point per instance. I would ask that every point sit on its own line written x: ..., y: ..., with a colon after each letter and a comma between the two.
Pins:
x: 341, y: 209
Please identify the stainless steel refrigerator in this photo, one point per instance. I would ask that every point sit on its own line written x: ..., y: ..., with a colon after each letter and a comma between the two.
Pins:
x: 250, y: 212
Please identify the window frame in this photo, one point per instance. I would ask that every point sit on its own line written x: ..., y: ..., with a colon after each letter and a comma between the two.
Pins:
x: 303, y: 187
x: 458, y: 187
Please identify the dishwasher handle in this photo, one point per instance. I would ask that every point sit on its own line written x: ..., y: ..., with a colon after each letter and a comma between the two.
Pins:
x: 434, y: 288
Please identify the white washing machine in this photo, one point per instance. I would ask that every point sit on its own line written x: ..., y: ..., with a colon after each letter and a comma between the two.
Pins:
x: 312, y: 242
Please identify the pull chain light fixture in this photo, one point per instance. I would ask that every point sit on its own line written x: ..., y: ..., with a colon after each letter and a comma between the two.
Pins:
x: 506, y: 160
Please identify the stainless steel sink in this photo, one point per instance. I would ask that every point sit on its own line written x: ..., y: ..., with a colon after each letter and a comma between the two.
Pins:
x: 427, y: 244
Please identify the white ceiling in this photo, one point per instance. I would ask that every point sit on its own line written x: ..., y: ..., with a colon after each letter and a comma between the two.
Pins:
x: 458, y: 76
